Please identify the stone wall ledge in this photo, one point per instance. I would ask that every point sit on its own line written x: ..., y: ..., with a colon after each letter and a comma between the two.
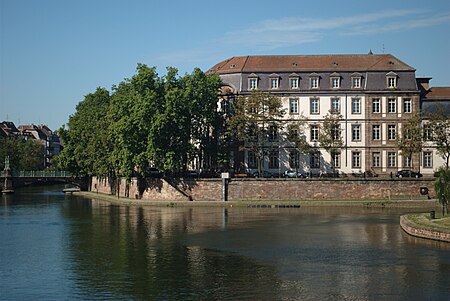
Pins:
x: 421, y: 231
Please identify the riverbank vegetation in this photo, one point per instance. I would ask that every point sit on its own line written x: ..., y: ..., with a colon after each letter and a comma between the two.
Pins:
x: 23, y: 154
x: 144, y: 123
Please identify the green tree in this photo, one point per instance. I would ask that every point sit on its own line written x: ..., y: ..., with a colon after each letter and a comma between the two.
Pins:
x: 439, y: 124
x: 134, y: 104
x: 201, y: 93
x: 23, y: 154
x: 442, y: 188
x: 86, y: 144
x: 410, y: 141
x: 257, y: 123
x: 295, y: 135
x: 330, y: 137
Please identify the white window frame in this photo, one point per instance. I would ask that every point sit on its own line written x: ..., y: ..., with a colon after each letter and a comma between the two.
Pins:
x: 356, y: 105
x: 376, y: 159
x: 427, y: 159
x: 391, y: 82
x: 335, y: 82
x: 314, y: 82
x: 407, y: 161
x: 253, y: 83
x: 391, y: 159
x: 392, y: 105
x: 376, y: 105
x: 293, y: 105
x: 407, y: 105
x: 336, y: 159
x: 356, y: 132
x: 314, y: 159
x: 356, y: 82
x: 376, y: 132
x: 274, y: 83
x: 294, y: 159
x: 356, y: 159
x: 294, y: 82
x: 335, y: 104
x: 314, y: 106
x: 392, y: 132
x: 314, y: 132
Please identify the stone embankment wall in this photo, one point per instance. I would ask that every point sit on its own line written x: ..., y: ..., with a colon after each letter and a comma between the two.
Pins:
x: 415, y: 230
x: 270, y: 189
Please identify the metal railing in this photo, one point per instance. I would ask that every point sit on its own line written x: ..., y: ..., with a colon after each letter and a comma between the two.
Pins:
x: 39, y: 174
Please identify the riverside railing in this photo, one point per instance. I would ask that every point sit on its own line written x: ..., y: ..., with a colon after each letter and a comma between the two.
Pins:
x: 39, y: 174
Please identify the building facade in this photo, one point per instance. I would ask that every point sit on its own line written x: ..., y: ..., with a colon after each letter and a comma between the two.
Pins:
x: 374, y: 94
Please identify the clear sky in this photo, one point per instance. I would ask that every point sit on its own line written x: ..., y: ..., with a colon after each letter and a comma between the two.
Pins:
x: 53, y: 52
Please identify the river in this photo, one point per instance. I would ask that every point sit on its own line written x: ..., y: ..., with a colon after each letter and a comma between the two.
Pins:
x: 61, y: 247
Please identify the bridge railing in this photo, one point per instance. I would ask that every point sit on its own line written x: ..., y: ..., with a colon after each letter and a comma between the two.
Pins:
x: 39, y: 174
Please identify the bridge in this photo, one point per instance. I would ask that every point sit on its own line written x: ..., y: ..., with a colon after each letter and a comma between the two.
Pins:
x: 10, y: 180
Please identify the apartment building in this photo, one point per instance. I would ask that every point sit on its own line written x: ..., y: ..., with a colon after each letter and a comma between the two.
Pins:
x: 374, y: 93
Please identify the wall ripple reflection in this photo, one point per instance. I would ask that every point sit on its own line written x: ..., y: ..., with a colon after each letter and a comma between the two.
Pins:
x: 66, y: 247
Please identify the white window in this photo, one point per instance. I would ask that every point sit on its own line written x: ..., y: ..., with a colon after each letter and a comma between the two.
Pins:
x: 407, y: 161
x: 252, y: 83
x: 335, y: 106
x: 427, y: 159
x: 314, y: 82
x: 376, y: 159
x: 314, y: 133
x: 336, y: 132
x: 356, y: 159
x: 273, y: 159
x: 314, y: 106
x: 392, y: 82
x: 274, y: 83
x: 392, y: 129
x: 356, y: 132
x: 392, y: 105
x: 392, y: 159
x: 376, y: 105
x: 407, y: 106
x: 335, y: 82
x: 293, y: 105
x: 336, y: 159
x: 376, y: 130
x: 427, y: 133
x: 356, y: 106
x: 294, y: 82
x: 356, y: 82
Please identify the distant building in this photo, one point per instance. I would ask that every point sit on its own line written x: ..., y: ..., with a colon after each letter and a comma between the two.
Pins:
x: 8, y: 129
x: 375, y: 94
x: 46, y: 137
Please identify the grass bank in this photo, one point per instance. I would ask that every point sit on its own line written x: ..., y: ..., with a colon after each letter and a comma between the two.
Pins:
x: 422, y: 225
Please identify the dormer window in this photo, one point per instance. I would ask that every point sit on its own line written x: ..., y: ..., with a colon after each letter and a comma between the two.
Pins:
x: 274, y: 81
x: 314, y: 81
x: 253, y: 82
x: 294, y: 81
x: 356, y: 80
x: 391, y: 80
x: 335, y: 81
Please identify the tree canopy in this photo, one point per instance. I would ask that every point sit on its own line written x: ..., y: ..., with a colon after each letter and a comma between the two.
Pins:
x: 145, y: 121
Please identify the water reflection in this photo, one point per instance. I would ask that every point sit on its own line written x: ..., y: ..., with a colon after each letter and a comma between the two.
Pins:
x: 67, y: 247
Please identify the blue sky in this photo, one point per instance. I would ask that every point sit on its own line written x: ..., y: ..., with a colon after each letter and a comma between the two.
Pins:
x: 52, y: 53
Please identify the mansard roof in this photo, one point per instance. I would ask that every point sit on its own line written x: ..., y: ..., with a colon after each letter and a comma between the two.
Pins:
x: 311, y: 63
x: 438, y: 93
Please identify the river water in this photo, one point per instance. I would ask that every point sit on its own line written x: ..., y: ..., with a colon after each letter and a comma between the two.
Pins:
x: 61, y: 247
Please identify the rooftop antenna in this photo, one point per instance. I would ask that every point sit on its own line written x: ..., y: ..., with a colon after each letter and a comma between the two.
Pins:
x: 383, y: 48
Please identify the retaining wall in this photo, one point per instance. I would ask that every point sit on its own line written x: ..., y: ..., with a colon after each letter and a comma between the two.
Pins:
x: 413, y: 229
x: 268, y: 189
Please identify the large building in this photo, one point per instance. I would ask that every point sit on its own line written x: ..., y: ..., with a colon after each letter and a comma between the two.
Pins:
x: 374, y: 93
